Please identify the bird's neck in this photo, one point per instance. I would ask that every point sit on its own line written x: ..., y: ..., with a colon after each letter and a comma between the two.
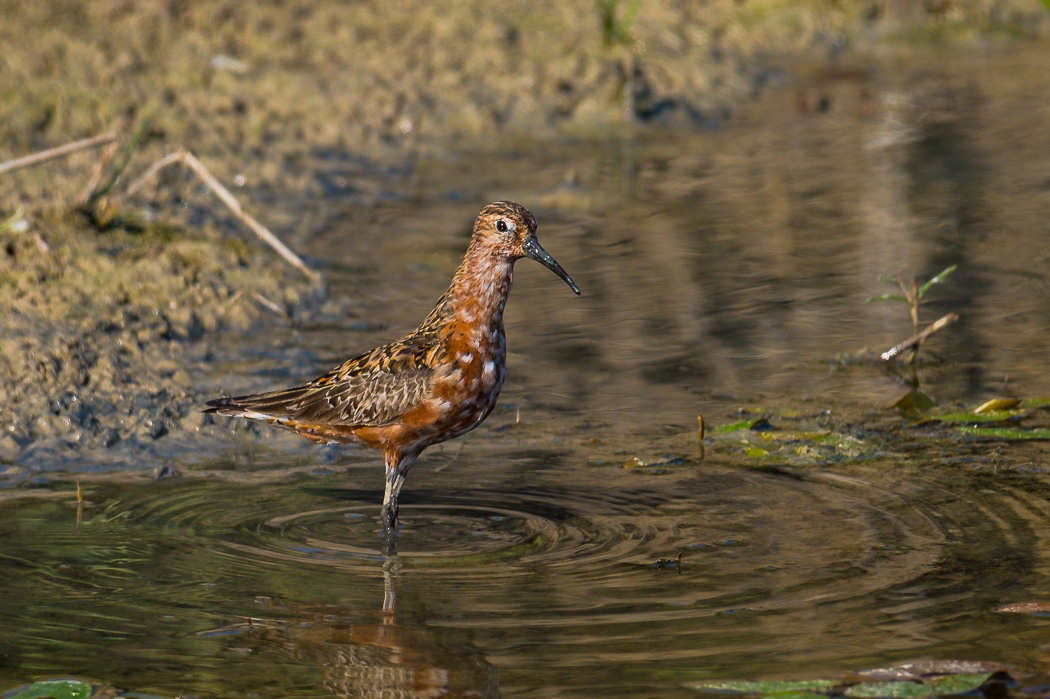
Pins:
x: 480, y: 287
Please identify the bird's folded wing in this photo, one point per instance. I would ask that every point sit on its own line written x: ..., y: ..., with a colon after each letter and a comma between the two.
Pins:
x: 370, y: 390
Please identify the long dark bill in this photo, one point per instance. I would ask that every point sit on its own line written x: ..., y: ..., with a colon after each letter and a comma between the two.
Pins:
x: 533, y: 250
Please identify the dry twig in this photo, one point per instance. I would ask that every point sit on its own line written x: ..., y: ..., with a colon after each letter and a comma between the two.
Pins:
x: 189, y: 160
x: 93, y: 193
x: 58, y: 152
x: 269, y: 305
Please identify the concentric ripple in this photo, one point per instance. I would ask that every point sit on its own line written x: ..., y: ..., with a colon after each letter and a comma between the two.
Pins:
x: 733, y: 529
x: 329, y: 536
x: 769, y: 562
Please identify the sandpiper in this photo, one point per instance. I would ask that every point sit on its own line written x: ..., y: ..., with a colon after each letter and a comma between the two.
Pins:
x: 438, y: 382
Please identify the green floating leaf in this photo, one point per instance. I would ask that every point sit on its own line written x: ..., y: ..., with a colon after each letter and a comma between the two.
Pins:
x: 936, y: 280
x: 732, y: 427
x: 782, y: 690
x: 54, y: 689
x: 756, y: 453
x: 888, y: 690
x: 993, y: 416
x: 959, y: 684
x: 1005, y: 432
x: 1033, y: 403
x: 823, y: 437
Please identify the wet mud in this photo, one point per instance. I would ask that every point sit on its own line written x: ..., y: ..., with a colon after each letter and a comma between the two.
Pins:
x: 106, y: 332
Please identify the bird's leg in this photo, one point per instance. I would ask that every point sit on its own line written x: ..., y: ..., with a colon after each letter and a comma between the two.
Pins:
x: 396, y: 469
x: 393, y: 487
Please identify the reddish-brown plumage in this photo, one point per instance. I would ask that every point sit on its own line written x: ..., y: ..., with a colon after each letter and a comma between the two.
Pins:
x: 434, y: 384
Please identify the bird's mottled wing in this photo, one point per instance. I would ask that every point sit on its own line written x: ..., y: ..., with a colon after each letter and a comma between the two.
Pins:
x: 369, y: 390
x: 373, y: 389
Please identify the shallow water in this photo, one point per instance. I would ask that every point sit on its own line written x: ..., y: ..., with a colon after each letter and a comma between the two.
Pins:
x: 724, y: 274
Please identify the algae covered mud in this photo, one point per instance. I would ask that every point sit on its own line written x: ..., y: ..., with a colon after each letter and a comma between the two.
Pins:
x: 840, y: 519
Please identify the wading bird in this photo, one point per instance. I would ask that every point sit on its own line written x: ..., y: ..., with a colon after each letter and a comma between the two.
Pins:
x: 438, y: 382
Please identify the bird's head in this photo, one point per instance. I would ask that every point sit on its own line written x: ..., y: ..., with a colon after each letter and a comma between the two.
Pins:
x: 508, y: 229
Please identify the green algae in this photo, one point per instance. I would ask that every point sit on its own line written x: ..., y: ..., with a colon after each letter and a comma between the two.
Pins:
x: 907, y: 681
x: 776, y: 688
x: 53, y: 689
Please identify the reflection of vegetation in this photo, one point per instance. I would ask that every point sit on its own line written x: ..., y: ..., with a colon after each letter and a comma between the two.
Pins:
x: 616, y: 25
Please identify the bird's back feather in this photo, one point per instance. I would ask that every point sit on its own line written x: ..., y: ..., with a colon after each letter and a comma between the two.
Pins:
x: 370, y: 390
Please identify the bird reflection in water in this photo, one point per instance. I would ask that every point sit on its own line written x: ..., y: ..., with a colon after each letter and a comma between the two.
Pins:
x: 380, y: 656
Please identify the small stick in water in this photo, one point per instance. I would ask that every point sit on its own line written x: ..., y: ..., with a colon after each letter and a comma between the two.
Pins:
x: 80, y: 503
x: 916, y: 340
x: 700, y: 433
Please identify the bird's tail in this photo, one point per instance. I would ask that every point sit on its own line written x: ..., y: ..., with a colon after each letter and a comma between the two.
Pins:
x: 283, y: 409
x: 272, y: 406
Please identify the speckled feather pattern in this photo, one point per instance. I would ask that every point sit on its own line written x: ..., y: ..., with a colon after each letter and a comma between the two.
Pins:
x: 376, y: 388
x: 436, y: 383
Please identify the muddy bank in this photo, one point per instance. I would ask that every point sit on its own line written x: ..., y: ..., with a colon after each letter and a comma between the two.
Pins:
x: 108, y: 333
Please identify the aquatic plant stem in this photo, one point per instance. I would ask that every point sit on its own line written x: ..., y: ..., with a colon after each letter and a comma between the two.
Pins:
x: 189, y: 160
x: 57, y: 152
x: 916, y: 340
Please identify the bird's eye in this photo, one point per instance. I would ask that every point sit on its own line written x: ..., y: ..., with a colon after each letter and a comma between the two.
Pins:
x: 502, y: 226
